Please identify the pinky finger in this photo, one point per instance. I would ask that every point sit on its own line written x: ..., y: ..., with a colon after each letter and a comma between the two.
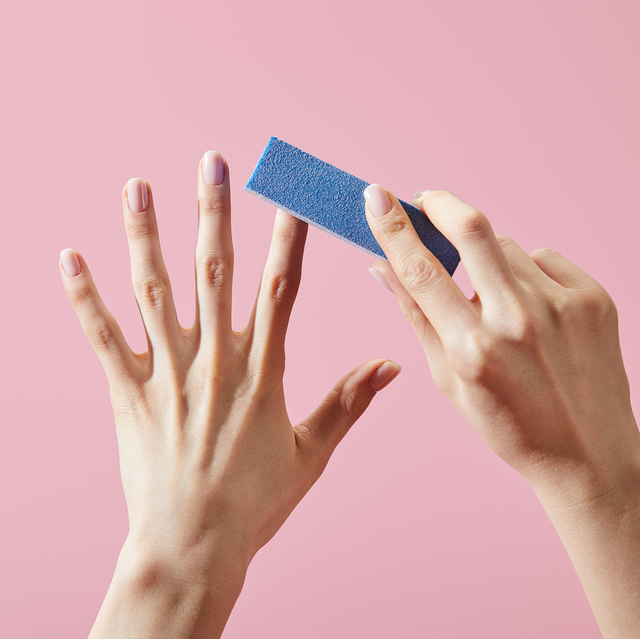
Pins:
x: 98, y: 324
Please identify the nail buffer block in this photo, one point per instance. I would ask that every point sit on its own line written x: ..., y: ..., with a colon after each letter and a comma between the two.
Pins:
x: 332, y: 200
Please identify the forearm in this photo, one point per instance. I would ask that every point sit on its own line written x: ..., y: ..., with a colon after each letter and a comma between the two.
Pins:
x: 600, y: 530
x: 155, y: 596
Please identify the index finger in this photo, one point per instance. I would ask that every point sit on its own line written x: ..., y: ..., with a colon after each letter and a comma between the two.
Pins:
x: 419, y: 271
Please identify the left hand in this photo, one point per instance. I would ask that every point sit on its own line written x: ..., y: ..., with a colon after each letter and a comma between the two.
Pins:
x: 211, y: 465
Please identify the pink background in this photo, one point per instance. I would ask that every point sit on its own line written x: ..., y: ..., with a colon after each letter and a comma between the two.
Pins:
x: 528, y: 110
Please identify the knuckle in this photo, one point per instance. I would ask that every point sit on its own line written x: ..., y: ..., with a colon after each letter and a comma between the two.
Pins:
x: 474, y: 361
x: 287, y: 234
x: 102, y: 336
x: 211, y: 205
x: 416, y: 320
x: 215, y: 271
x: 80, y: 294
x: 142, y: 229
x: 485, y: 355
x: 599, y: 306
x: 280, y: 288
x: 520, y: 325
x: 393, y: 225
x: 419, y: 272
x: 471, y: 224
x: 152, y: 292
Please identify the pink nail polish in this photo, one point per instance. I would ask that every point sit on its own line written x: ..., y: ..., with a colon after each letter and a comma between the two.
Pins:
x: 380, y: 279
x: 137, y: 195
x: 384, y: 375
x: 377, y: 199
x: 70, y: 262
x: 212, y: 168
x: 419, y: 194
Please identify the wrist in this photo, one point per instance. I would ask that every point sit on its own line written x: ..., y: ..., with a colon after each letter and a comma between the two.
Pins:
x: 211, y: 559
x: 593, y: 471
x: 597, y: 517
x: 172, y: 591
x: 589, y: 492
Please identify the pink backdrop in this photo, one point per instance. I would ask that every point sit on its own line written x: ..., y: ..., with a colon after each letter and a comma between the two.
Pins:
x: 528, y: 110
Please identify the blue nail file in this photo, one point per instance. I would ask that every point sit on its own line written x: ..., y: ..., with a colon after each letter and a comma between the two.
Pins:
x: 332, y: 200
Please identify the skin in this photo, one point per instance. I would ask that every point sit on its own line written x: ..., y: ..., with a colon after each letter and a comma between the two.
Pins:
x: 211, y: 465
x: 533, y: 362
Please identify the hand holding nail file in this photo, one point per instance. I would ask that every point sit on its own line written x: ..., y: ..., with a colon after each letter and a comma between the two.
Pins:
x: 332, y: 200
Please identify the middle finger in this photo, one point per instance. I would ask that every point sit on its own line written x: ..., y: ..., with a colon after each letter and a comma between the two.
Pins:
x: 214, y: 250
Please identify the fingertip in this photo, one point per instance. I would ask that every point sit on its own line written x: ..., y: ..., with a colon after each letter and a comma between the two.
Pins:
x: 377, y: 275
x: 137, y: 195
x: 213, y: 168
x: 384, y: 375
x: 70, y: 262
x: 377, y: 200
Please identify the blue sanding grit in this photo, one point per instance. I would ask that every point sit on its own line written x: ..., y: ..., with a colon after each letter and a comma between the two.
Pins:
x: 332, y: 200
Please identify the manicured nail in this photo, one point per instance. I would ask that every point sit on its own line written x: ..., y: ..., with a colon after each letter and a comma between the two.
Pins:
x: 377, y: 199
x: 212, y: 168
x: 137, y: 195
x: 384, y: 375
x: 380, y: 279
x: 70, y: 262
x: 419, y: 194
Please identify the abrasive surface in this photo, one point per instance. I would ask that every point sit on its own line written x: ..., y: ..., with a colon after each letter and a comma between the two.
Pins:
x: 332, y: 200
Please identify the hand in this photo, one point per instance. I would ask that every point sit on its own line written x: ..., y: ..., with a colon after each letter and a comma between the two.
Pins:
x: 211, y: 465
x: 532, y: 360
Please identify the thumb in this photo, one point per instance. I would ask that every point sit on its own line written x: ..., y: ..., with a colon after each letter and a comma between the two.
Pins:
x: 346, y: 402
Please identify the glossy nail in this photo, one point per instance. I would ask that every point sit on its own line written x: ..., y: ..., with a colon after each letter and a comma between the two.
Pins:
x: 70, y: 262
x: 380, y: 279
x: 212, y: 168
x: 377, y: 199
x: 384, y: 375
x: 137, y: 195
x: 419, y: 194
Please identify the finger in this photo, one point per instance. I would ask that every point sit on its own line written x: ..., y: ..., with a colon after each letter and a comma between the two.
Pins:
x: 279, y: 286
x: 98, y: 324
x: 427, y: 335
x: 524, y: 267
x: 421, y: 274
x: 561, y: 270
x: 214, y: 249
x: 471, y: 233
x: 149, y: 274
x: 345, y: 403
x: 417, y: 319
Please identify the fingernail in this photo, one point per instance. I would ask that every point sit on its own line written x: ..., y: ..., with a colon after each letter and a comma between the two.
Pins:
x: 212, y: 168
x: 377, y: 199
x: 70, y: 262
x: 419, y: 194
x: 384, y: 375
x: 380, y: 279
x: 137, y: 195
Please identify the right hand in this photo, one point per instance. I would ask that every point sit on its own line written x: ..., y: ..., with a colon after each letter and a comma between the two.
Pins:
x: 532, y: 361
